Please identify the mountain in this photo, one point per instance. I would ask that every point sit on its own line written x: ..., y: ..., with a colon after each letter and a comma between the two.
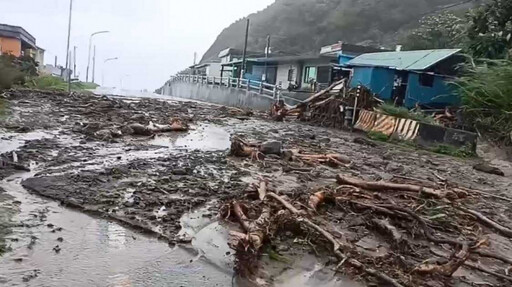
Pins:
x: 302, y: 26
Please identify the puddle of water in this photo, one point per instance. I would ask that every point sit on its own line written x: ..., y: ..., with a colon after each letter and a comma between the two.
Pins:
x: 308, y: 271
x: 205, y: 137
x: 12, y: 141
x: 93, y: 251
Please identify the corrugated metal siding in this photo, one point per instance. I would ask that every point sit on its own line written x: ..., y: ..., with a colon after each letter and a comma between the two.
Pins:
x: 406, y: 60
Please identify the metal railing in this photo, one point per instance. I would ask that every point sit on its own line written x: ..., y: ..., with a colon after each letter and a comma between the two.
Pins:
x: 249, y: 85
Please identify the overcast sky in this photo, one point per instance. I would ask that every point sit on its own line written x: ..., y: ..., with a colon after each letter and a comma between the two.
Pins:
x: 153, y: 39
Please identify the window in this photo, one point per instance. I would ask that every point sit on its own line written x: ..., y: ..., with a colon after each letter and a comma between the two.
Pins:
x: 309, y: 73
x: 291, y: 73
x: 323, y: 75
x: 427, y: 80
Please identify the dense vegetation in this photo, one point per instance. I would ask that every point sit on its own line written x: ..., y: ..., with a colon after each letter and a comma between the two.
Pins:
x: 301, y: 26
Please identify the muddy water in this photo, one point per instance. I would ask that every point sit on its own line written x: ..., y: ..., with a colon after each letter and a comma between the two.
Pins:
x: 55, y: 246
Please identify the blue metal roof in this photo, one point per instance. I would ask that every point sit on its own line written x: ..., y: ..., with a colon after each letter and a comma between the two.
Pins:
x: 406, y: 60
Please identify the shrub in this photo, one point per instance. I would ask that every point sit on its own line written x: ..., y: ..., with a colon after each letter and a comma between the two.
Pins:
x: 486, y: 94
x: 401, y: 112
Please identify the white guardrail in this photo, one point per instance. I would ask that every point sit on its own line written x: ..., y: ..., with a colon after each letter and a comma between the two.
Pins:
x: 249, y: 85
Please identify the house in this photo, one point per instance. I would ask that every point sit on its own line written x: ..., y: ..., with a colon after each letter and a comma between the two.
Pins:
x: 17, y: 41
x: 409, y: 77
x: 298, y: 72
x: 210, y: 69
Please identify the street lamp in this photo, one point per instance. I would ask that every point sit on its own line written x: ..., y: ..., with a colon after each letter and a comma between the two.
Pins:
x: 103, y: 71
x: 89, y: 57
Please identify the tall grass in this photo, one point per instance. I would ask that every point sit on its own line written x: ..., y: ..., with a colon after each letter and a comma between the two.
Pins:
x: 401, y: 112
x: 486, y: 94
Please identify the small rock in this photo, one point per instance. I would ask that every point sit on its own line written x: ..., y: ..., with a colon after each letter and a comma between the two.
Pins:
x: 272, y: 147
x: 484, y: 167
x: 57, y: 249
x: 49, y: 225
x: 179, y: 171
x: 364, y: 141
x: 60, y: 239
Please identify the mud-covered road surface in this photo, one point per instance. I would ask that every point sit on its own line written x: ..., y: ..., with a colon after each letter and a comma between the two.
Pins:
x: 86, y: 202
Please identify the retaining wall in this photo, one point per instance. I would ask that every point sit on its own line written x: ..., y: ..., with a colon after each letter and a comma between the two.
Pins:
x: 222, y: 95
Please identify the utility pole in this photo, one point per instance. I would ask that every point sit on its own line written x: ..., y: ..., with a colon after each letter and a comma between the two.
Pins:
x: 195, y: 58
x: 94, y: 64
x: 74, y: 62
x: 67, y: 47
x: 244, y: 56
x: 267, y: 52
x: 55, y: 61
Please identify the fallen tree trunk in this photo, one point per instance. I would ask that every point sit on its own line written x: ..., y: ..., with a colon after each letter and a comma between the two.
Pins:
x: 384, y: 186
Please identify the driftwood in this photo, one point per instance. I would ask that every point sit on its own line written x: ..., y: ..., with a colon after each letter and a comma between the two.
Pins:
x: 477, y: 267
x: 336, y: 244
x: 384, y: 186
x: 486, y: 221
x: 255, y: 230
x: 316, y: 199
x: 319, y: 94
x: 240, y: 148
x: 447, y: 269
x: 333, y: 160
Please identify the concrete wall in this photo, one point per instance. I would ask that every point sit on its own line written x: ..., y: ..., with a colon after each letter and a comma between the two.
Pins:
x: 10, y: 46
x: 282, y: 74
x: 221, y: 95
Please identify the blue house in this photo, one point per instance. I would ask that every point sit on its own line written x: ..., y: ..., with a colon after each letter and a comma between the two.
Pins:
x: 409, y: 78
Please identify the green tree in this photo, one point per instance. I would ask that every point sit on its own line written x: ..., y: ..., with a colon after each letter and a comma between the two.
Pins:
x: 441, y: 31
x: 490, y: 31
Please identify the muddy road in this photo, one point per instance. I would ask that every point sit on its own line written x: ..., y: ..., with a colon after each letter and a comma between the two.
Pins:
x: 90, y: 185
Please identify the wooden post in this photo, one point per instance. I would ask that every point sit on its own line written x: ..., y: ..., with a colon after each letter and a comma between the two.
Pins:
x: 261, y: 87
x: 274, y: 92
x: 237, y: 83
x: 248, y: 84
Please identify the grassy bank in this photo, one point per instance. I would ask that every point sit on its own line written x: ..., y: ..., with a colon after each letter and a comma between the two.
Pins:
x: 57, y: 84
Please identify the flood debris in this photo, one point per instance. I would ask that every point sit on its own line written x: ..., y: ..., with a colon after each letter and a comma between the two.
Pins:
x: 329, y: 107
x: 382, y: 215
x: 397, y: 215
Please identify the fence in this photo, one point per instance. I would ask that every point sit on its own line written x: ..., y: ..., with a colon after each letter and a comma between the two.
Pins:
x: 255, y: 86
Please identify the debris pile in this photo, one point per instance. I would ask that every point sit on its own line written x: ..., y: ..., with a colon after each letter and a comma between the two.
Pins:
x: 422, y: 231
x: 328, y: 108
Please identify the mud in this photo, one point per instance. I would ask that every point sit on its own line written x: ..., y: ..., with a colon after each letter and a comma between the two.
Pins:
x: 172, y: 184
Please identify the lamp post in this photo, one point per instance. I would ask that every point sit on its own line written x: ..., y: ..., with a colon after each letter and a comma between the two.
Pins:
x: 67, y: 47
x: 89, y: 56
x: 103, y: 71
